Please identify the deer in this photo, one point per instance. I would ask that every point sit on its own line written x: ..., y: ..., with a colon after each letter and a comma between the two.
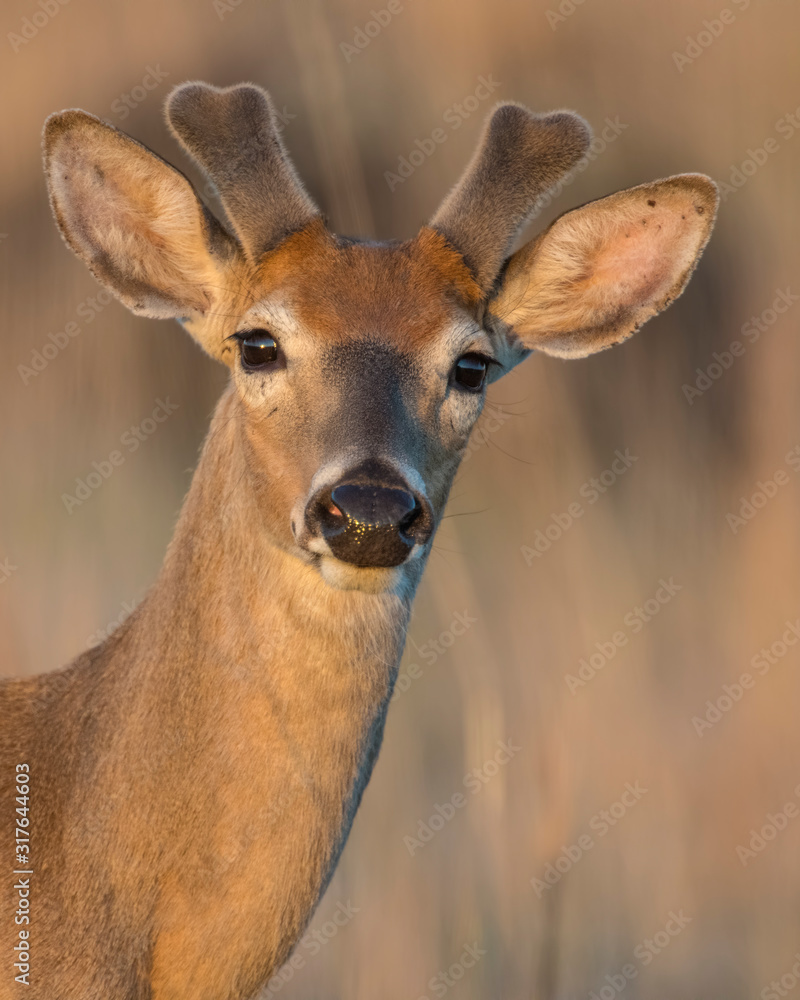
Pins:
x: 193, y: 778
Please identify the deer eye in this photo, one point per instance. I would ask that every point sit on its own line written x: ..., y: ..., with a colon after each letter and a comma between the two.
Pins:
x: 258, y: 349
x: 470, y: 372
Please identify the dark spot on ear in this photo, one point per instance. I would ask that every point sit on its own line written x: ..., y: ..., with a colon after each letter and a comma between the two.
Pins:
x: 98, y: 172
x: 644, y: 222
x: 683, y: 216
x: 699, y: 209
x: 651, y: 203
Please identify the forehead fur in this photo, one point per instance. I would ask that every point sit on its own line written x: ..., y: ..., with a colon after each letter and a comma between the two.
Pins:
x: 404, y: 292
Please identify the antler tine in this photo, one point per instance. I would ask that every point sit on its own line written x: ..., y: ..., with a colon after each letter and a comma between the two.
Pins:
x: 520, y: 156
x: 232, y: 135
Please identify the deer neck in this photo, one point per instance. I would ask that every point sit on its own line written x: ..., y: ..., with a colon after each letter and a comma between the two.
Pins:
x: 272, y: 688
x: 263, y: 623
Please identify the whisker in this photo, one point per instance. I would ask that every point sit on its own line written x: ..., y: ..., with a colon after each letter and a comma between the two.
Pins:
x: 465, y: 513
x: 508, y: 454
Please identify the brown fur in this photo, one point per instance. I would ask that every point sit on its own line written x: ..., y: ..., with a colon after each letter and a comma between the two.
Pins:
x: 348, y: 296
x: 194, y: 777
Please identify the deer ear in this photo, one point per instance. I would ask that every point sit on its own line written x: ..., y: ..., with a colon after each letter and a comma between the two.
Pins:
x: 133, y: 219
x: 600, y: 271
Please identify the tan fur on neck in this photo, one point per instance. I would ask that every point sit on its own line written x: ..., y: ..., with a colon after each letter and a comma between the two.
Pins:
x: 265, y: 755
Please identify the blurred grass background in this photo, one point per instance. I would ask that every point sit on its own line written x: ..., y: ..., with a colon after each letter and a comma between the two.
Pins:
x: 348, y: 120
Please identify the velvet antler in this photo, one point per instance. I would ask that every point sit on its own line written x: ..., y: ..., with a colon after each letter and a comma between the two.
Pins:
x: 232, y: 134
x: 520, y: 156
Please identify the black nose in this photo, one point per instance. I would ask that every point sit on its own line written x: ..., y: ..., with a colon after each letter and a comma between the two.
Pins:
x: 370, y: 518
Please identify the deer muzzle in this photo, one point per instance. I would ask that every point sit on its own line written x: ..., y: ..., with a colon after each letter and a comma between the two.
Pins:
x: 370, y: 518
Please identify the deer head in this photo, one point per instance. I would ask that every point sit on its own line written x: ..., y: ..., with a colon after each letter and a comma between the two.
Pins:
x: 358, y: 369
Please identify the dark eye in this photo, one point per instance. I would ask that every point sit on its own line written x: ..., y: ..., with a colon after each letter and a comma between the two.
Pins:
x: 470, y: 372
x: 259, y: 349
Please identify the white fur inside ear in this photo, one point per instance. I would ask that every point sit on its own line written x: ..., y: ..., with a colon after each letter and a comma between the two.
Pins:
x: 601, y: 270
x: 133, y: 219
